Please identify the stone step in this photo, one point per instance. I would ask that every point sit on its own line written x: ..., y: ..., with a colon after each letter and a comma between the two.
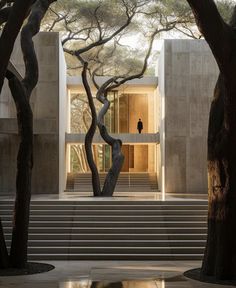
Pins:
x: 112, y: 224
x: 117, y: 230
x: 113, y: 256
x: 113, y: 229
x: 116, y: 250
x: 126, y: 182
x: 137, y: 207
x: 86, y: 212
x: 114, y: 236
x: 107, y: 218
x: 112, y: 201
x: 113, y: 243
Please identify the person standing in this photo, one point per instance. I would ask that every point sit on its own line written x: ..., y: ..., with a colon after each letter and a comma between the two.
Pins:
x: 140, y: 126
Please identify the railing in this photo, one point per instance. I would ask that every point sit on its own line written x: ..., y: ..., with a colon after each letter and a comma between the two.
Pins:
x: 128, y: 138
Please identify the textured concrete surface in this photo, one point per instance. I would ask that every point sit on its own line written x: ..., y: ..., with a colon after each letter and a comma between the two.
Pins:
x: 187, y: 76
x: 45, y: 105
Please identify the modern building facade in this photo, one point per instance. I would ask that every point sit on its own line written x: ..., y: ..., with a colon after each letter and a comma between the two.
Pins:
x: 187, y: 76
x: 129, y: 103
x: 173, y: 107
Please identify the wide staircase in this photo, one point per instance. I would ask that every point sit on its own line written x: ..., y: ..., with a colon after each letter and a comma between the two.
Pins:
x: 113, y: 229
x: 127, y: 182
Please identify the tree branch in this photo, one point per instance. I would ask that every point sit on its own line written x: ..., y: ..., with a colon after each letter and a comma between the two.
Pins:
x: 217, y: 33
x: 140, y: 74
x: 104, y: 40
x: 10, y: 32
x: 4, y: 14
x: 91, y: 132
x: 29, y: 30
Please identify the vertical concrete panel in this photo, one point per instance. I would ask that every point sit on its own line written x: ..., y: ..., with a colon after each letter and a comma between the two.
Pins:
x: 186, y: 83
x: 46, y: 162
x: 45, y: 106
x: 63, y: 110
x: 175, y: 164
x: 196, y: 164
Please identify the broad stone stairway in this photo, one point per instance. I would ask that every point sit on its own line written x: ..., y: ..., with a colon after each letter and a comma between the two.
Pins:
x: 127, y: 182
x: 113, y: 229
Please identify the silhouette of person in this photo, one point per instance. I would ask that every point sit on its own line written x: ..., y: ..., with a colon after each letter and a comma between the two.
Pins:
x: 140, y: 126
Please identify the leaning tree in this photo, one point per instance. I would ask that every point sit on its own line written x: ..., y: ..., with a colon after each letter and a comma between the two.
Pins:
x: 98, y: 121
x: 95, y: 41
x: 220, y: 253
x: 21, y: 90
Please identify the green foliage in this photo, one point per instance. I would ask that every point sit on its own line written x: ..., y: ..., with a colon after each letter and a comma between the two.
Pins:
x: 226, y: 8
x: 82, y: 22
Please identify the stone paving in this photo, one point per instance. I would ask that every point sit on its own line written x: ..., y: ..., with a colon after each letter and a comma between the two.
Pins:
x: 111, y: 274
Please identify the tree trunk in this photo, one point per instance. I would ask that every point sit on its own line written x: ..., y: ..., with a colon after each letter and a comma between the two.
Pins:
x: 18, y: 253
x: 90, y: 134
x: 19, y: 243
x: 221, y: 215
x: 10, y: 31
x: 114, y: 172
x: 4, y: 259
x: 220, y: 254
x: 116, y: 144
x: 21, y: 92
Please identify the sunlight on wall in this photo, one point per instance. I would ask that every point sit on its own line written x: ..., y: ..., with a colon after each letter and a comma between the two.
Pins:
x: 163, y: 148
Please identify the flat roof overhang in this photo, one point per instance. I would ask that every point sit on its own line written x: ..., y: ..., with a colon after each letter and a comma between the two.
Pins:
x: 126, y: 138
x: 73, y: 81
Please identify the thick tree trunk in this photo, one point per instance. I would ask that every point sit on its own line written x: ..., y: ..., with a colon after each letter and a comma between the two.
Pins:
x: 14, y: 19
x: 18, y: 254
x: 90, y: 134
x: 114, y: 172
x: 220, y: 253
x: 4, y: 259
x: 21, y: 92
x: 116, y: 144
x: 221, y: 232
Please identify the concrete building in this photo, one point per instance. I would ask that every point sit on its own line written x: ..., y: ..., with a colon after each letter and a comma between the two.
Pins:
x: 173, y: 107
x: 187, y: 76
x: 49, y: 109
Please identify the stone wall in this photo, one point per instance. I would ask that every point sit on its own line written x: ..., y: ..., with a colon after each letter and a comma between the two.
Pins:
x: 187, y: 76
x: 45, y: 105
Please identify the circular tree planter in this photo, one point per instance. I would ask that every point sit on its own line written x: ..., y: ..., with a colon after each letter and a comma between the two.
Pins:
x: 31, y: 268
x: 195, y: 274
